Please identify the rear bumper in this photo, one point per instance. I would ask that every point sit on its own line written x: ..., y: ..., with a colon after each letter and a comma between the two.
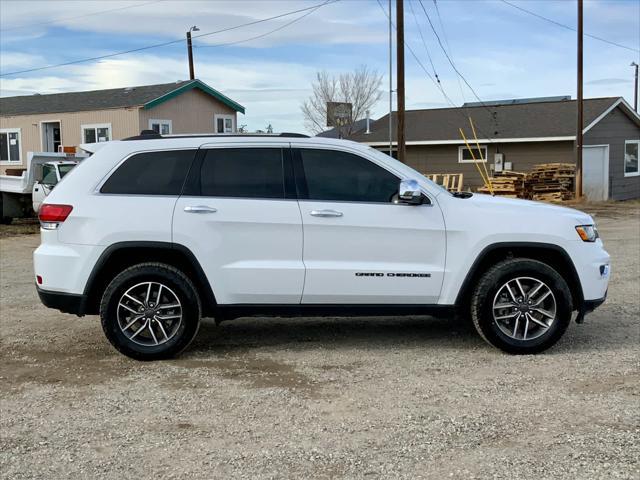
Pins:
x: 65, y: 302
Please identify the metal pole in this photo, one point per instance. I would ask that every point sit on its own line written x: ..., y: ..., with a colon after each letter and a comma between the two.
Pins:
x: 635, y: 88
x: 390, y: 83
x: 190, y: 50
x: 579, y: 125
x: 400, y: 79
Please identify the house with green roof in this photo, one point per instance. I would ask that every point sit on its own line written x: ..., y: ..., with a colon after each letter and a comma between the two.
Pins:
x: 45, y: 123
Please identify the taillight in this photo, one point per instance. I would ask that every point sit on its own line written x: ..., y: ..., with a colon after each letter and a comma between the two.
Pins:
x: 51, y: 215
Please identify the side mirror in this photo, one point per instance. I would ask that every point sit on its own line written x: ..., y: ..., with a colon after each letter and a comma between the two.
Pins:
x: 410, y: 192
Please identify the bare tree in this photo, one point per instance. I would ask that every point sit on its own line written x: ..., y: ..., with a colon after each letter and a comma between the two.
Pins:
x: 361, y: 88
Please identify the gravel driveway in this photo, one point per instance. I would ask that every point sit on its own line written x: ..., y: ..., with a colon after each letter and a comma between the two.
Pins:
x: 322, y: 398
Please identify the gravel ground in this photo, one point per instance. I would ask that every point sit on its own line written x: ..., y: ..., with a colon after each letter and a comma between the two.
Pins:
x: 20, y: 226
x: 322, y: 398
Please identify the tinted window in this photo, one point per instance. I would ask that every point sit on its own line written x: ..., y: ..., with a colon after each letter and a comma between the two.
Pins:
x: 49, y: 176
x: 341, y: 176
x: 242, y: 172
x: 151, y: 173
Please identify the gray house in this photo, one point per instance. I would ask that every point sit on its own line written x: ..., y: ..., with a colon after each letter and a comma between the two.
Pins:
x: 357, y: 126
x: 518, y: 135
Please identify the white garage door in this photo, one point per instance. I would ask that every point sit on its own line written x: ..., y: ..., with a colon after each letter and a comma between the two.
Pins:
x: 595, y: 172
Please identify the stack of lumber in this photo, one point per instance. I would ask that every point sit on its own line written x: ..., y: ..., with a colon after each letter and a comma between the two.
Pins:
x: 551, y: 182
x: 507, y: 184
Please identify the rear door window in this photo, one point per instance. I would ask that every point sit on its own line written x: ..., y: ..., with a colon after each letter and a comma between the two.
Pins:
x: 151, y: 173
x: 242, y: 173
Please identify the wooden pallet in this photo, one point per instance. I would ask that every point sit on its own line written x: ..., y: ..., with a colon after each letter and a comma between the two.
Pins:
x: 551, y: 182
x: 451, y: 181
x: 506, y: 184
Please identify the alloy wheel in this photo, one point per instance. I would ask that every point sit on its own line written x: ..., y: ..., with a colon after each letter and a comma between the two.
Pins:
x: 524, y: 308
x: 149, y: 314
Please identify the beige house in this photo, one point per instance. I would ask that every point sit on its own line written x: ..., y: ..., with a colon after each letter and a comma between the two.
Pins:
x: 43, y: 123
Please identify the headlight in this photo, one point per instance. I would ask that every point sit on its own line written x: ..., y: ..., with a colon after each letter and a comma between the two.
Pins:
x: 588, y: 233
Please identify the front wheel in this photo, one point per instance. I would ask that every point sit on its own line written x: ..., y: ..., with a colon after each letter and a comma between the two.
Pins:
x: 521, y: 306
x: 150, y: 311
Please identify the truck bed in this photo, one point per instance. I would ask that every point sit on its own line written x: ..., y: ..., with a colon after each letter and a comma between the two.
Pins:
x: 14, y: 184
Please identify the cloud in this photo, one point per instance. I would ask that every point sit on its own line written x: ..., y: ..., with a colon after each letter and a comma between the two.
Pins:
x: 334, y: 23
x: 261, y: 87
x: 15, y: 60
x: 610, y: 81
x: 518, y: 56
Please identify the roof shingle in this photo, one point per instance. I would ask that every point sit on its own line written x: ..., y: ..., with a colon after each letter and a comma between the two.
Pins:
x: 526, y: 120
x: 91, y: 100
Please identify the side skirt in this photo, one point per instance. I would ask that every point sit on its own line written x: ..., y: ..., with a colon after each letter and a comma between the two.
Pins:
x: 228, y: 312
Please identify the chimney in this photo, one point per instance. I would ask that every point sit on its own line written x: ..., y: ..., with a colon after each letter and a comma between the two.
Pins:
x: 368, y: 120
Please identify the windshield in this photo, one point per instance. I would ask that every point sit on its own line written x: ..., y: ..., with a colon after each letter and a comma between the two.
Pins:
x: 415, y: 174
x: 66, y: 168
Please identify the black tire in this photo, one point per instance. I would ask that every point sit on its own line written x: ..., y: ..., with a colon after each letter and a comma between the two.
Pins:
x: 178, y: 284
x: 482, y: 304
x: 6, y: 220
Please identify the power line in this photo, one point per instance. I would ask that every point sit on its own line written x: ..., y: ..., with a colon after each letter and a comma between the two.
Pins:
x: 164, y: 44
x: 417, y: 59
x: 281, y: 27
x: 439, y: 85
x: 30, y: 25
x: 449, y: 58
x: 562, y: 25
x: 423, y: 41
x: 446, y: 40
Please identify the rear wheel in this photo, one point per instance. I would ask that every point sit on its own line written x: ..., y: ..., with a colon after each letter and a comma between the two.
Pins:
x: 521, y: 306
x: 150, y: 311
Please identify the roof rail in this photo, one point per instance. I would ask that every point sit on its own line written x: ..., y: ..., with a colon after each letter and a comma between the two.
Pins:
x: 145, y: 135
x: 153, y: 135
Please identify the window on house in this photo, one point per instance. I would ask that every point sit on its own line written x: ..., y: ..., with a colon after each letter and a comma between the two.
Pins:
x: 163, y: 127
x: 466, y: 155
x: 224, y: 123
x: 631, y: 150
x: 10, y: 145
x: 96, y: 133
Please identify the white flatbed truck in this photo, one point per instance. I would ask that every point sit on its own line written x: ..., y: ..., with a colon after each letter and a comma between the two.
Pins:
x: 22, y: 195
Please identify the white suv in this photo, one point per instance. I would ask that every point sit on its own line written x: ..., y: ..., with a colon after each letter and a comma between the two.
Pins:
x: 155, y: 232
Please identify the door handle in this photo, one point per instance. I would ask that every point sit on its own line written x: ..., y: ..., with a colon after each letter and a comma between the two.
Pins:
x: 325, y: 213
x: 199, y: 209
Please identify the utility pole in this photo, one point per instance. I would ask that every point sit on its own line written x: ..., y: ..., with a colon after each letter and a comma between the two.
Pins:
x: 635, y: 88
x: 400, y: 75
x: 390, y: 83
x: 192, y: 75
x: 579, y: 126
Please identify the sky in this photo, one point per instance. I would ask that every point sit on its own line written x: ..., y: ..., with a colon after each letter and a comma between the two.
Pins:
x: 501, y: 52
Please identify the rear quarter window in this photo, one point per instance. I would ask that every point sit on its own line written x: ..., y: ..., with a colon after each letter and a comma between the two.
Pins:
x: 151, y: 173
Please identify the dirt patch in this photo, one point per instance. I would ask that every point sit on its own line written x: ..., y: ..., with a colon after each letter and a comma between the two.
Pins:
x: 390, y: 397
x: 20, y: 226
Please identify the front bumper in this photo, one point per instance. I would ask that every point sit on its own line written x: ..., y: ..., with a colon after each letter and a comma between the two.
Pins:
x: 65, y: 302
x: 589, y: 306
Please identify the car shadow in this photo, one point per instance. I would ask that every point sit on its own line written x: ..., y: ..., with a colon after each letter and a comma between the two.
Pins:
x: 330, y: 333
x: 599, y: 333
